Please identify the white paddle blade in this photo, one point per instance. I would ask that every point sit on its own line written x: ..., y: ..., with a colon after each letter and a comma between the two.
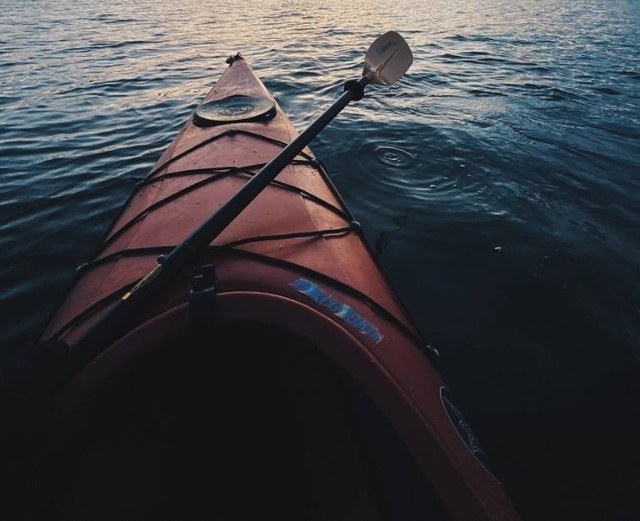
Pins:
x: 388, y: 58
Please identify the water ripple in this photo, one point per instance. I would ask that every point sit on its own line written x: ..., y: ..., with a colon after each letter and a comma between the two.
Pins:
x: 395, y: 157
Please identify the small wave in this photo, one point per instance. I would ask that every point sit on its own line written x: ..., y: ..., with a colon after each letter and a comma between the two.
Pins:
x: 482, y: 93
x: 545, y: 91
x: 631, y: 74
x: 110, y: 18
x: 92, y: 47
x: 450, y: 56
x: 119, y: 20
x: 607, y: 90
x: 456, y: 37
x: 113, y: 85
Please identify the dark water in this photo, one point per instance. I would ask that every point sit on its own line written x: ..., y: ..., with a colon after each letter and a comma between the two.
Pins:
x: 499, y: 182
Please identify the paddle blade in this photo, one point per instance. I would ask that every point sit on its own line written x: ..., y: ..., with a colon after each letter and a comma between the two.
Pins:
x: 388, y: 58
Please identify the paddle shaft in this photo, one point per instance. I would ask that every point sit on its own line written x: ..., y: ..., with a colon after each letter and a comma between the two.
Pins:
x: 125, y: 313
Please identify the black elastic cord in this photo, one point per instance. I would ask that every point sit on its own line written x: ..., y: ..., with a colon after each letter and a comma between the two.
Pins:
x: 218, y: 173
x: 228, y: 133
x: 281, y: 263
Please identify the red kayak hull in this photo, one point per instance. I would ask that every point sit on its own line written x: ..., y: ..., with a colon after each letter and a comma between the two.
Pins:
x: 294, y: 260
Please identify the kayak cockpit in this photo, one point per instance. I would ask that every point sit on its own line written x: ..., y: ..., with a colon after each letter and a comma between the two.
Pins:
x: 252, y: 422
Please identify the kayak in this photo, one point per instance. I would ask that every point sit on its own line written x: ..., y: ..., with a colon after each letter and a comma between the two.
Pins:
x: 277, y: 375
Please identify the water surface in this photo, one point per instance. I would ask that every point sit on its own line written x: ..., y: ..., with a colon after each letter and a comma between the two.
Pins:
x: 498, y: 183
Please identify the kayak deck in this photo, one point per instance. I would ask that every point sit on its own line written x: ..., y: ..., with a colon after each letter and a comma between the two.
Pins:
x: 299, y: 217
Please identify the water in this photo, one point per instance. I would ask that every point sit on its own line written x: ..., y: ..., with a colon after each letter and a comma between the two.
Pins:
x: 498, y: 182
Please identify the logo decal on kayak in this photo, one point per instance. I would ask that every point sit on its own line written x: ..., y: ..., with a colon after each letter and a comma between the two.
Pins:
x: 340, y: 309
x: 464, y: 429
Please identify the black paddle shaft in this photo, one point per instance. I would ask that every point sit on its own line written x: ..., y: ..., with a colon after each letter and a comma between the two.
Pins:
x: 127, y: 311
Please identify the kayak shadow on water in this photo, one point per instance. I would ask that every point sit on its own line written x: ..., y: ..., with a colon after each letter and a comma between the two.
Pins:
x: 382, y: 240
x: 564, y: 438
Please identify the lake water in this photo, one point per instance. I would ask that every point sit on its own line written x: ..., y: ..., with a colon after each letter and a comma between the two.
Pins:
x: 498, y: 181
